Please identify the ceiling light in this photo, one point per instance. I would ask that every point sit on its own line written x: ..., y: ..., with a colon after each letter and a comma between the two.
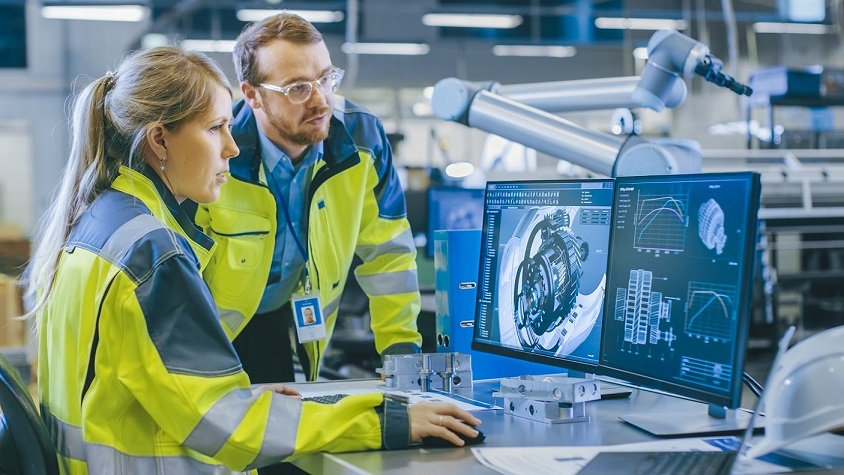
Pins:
x: 154, y: 40
x: 95, y: 12
x: 386, y: 48
x: 472, y: 20
x: 800, y: 28
x: 802, y: 10
x: 534, y: 50
x: 609, y: 23
x: 313, y: 16
x: 209, y: 46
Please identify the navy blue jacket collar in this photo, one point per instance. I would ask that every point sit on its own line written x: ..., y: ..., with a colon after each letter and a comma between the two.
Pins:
x: 178, y: 212
x: 337, y: 148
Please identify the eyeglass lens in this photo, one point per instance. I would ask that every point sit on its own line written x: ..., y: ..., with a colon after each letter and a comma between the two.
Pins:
x: 328, y: 84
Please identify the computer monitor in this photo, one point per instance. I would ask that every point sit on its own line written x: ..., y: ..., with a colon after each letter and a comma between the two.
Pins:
x: 543, y: 262
x: 679, y: 292
x: 452, y: 208
x: 417, y: 215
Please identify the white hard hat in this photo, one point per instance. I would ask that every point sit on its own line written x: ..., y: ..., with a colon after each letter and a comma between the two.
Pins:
x: 803, y: 396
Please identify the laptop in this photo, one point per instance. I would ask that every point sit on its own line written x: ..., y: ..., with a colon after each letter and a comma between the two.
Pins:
x: 684, y: 462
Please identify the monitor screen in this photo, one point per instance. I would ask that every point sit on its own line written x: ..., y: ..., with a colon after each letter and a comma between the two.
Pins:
x: 453, y: 208
x: 13, y: 45
x: 679, y: 285
x: 543, y: 262
x: 417, y: 215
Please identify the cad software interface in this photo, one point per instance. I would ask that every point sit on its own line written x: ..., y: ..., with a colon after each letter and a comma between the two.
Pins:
x: 681, y: 261
x: 543, y: 265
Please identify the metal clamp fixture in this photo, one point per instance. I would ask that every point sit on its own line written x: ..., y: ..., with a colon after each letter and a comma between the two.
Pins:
x: 553, y: 400
x: 445, y: 372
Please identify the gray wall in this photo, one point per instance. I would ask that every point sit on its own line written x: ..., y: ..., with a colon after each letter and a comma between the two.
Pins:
x: 61, y: 55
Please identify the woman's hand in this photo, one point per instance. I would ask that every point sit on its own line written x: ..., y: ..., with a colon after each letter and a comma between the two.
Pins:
x: 276, y: 388
x: 443, y: 420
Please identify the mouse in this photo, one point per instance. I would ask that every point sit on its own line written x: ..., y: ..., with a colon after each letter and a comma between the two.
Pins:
x: 438, y: 442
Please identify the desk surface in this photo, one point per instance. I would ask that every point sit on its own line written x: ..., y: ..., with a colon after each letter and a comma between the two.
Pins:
x: 502, y: 430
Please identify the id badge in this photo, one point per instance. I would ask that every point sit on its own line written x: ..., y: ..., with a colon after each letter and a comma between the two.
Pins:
x: 307, y: 315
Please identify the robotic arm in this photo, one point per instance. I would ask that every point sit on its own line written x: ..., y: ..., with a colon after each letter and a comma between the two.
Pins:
x: 521, y: 113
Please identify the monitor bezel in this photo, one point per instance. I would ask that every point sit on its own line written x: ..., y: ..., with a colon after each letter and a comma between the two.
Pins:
x: 569, y: 364
x: 744, y: 310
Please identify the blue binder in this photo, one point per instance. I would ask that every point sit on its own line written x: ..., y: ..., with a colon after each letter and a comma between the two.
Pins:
x: 456, y: 259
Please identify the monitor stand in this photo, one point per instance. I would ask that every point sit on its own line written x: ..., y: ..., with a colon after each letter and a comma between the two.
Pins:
x: 718, y: 421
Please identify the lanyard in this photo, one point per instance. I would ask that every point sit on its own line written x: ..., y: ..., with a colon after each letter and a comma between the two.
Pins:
x: 302, y: 249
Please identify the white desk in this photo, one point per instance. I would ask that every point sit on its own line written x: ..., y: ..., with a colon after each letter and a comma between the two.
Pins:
x: 603, y: 428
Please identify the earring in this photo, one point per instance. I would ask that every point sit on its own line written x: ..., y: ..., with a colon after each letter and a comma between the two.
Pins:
x: 161, y: 163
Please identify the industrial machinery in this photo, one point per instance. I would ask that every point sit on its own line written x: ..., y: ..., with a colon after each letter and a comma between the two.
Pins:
x: 522, y: 113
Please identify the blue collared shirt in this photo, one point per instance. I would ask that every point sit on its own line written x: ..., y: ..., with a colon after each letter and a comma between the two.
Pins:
x: 283, y: 179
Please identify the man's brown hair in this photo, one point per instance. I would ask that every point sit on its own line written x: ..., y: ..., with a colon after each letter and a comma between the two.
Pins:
x: 283, y: 26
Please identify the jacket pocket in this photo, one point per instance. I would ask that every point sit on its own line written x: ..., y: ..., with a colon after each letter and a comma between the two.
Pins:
x: 243, y: 241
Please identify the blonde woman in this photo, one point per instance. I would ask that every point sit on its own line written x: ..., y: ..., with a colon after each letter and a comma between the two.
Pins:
x: 136, y: 374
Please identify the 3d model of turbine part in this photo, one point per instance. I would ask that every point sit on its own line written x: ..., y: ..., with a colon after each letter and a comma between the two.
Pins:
x: 711, y: 226
x: 549, y: 280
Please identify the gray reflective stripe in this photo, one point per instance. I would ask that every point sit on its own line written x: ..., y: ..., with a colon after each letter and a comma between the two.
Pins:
x: 122, y: 239
x: 331, y: 307
x: 401, y: 244
x: 282, y: 427
x: 67, y: 438
x: 220, y: 421
x: 232, y: 318
x: 389, y: 283
x: 105, y: 460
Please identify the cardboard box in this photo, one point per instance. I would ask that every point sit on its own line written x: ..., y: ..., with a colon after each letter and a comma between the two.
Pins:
x: 12, y: 329
x: 10, y: 232
x: 14, y: 255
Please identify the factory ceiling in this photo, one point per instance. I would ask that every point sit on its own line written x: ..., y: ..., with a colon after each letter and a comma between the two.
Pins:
x: 574, y: 38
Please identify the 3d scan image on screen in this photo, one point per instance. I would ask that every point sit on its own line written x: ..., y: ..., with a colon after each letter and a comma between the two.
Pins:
x: 543, y: 268
x: 678, y: 296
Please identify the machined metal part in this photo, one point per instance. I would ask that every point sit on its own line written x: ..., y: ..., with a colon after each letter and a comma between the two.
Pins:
x: 551, y: 400
x: 547, y: 412
x: 426, y: 371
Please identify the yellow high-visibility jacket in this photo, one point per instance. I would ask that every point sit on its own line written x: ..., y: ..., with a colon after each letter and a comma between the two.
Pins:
x: 136, y: 375
x: 355, y: 206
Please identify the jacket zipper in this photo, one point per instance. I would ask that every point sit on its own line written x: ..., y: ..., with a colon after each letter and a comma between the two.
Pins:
x: 321, y: 176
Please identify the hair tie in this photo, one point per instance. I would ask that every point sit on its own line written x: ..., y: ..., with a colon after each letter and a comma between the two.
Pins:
x: 108, y: 81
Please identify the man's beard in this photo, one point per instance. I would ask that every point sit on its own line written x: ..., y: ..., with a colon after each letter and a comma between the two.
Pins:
x: 300, y: 136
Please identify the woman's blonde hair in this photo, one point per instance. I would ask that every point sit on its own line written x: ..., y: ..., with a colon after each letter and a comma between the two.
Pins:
x: 109, y: 121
